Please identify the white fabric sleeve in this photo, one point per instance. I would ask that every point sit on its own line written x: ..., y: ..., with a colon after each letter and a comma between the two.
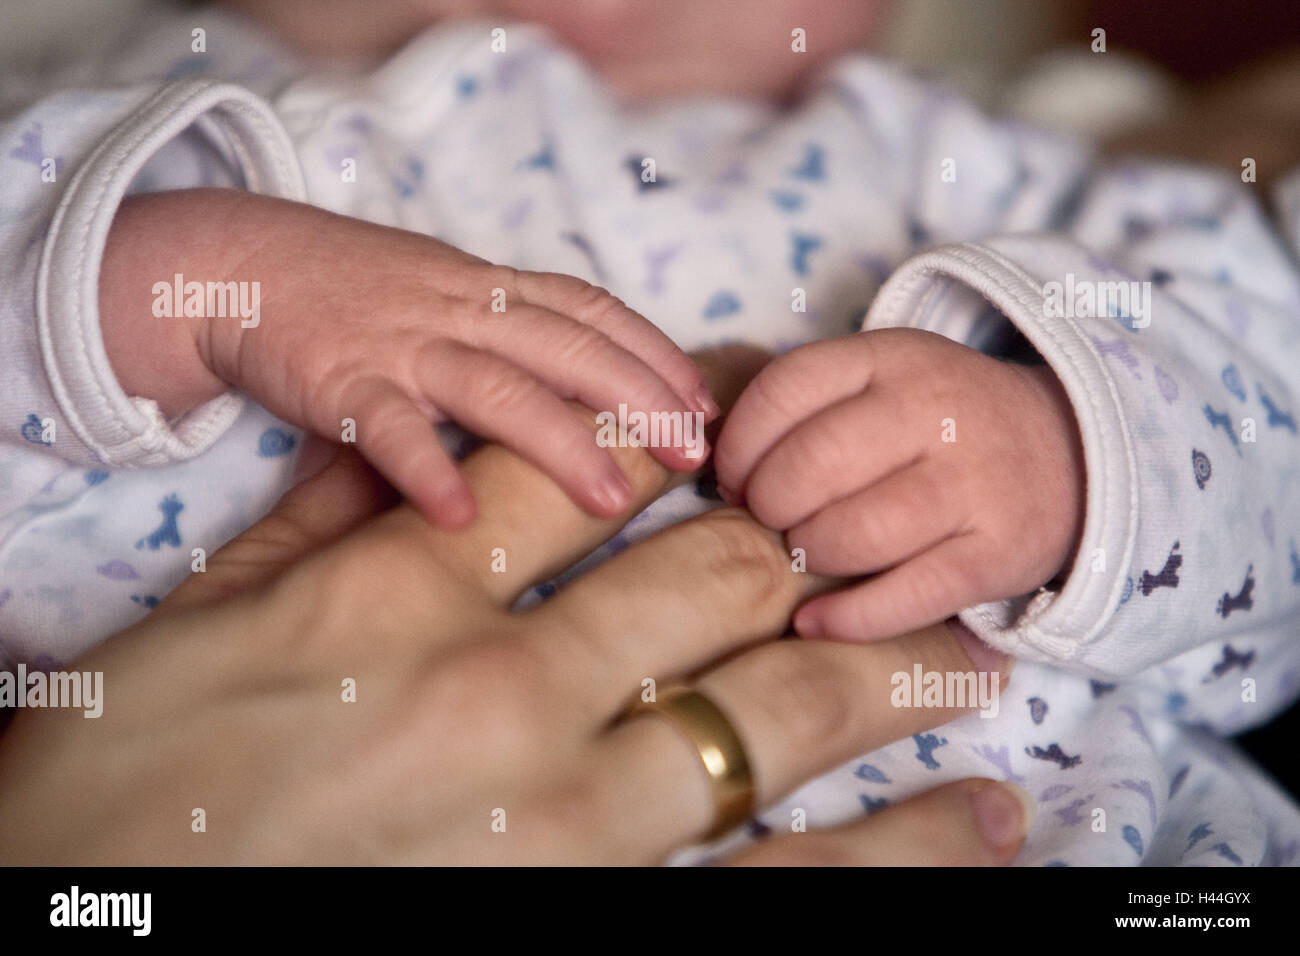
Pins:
x: 1187, y: 413
x: 95, y: 143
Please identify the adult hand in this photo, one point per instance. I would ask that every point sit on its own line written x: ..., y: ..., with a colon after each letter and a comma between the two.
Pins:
x: 231, y: 697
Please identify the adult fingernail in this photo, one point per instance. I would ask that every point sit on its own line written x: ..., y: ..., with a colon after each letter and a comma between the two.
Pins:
x: 614, y: 492
x: 1003, y: 813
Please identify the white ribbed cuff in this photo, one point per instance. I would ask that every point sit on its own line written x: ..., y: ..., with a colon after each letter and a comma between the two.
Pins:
x: 1049, y: 626
x: 128, y: 432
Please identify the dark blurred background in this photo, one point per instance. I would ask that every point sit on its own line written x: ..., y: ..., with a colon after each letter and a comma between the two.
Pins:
x: 1199, y: 40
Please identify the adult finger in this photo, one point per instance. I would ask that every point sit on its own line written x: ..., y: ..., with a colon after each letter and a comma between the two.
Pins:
x: 973, y: 822
x: 527, y: 528
x: 311, y: 515
x: 684, y: 597
x: 801, y: 708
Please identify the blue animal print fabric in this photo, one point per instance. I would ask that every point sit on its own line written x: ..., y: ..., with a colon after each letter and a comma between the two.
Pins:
x: 1176, y: 627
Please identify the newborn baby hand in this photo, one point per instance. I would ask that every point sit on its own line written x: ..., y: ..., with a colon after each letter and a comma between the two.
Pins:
x: 391, y: 331
x: 951, y: 478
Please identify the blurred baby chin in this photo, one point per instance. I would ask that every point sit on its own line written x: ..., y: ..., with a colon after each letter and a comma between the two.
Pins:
x: 735, y: 47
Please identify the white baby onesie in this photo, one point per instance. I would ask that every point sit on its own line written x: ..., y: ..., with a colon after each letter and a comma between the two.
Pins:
x: 718, y: 219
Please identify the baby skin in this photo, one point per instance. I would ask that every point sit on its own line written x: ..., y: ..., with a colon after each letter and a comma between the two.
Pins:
x: 942, y: 476
x: 948, y: 476
x: 951, y: 478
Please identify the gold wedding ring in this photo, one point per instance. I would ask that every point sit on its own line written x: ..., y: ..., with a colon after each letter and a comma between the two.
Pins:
x: 720, y: 750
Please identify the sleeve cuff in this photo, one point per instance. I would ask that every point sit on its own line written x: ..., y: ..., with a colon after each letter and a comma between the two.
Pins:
x: 126, y: 432
x: 1048, y: 626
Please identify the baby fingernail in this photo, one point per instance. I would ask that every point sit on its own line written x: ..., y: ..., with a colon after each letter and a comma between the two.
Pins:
x: 984, y: 657
x: 703, y: 402
x: 614, y: 492
x: 1003, y: 813
x: 696, y: 451
x: 456, y: 508
x: 806, y: 625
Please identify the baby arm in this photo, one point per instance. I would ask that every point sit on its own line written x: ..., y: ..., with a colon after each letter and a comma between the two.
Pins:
x: 1163, y: 308
x: 1178, y: 405
x: 390, y: 329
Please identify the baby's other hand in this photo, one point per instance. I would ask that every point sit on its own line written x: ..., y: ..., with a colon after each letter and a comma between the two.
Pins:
x: 395, y: 331
x: 951, y: 478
